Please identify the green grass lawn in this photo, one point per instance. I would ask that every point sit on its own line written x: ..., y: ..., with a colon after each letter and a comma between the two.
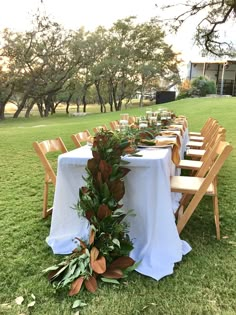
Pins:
x: 203, y: 283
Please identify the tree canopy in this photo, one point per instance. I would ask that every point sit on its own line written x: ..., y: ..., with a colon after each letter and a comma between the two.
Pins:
x: 212, y: 17
x: 48, y: 64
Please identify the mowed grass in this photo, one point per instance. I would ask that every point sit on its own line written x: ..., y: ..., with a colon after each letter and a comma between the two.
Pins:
x: 203, y: 283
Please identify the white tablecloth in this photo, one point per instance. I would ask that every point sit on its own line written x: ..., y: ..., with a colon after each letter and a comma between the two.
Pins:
x: 152, y: 230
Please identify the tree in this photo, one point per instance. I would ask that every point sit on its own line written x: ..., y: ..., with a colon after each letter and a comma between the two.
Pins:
x: 212, y: 16
x: 154, y: 58
x: 39, y: 62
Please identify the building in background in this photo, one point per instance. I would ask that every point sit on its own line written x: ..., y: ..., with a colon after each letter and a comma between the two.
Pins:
x: 223, y: 72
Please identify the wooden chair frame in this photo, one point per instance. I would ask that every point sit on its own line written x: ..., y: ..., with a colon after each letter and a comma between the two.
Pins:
x: 42, y: 149
x: 79, y: 137
x: 114, y: 125
x: 99, y: 128
x: 199, y: 153
x: 198, y: 186
x: 204, y: 128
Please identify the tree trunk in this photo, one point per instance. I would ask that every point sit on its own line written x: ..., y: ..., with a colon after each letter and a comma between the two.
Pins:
x: 68, y: 103
x: 84, y: 103
x: 27, y: 113
x: 114, y: 89
x: 49, y: 105
x: 78, y: 104
x: 2, y: 111
x: 4, y: 101
x: 40, y: 108
x: 102, y: 106
x: 21, y: 106
x: 110, y: 96
x: 141, y: 96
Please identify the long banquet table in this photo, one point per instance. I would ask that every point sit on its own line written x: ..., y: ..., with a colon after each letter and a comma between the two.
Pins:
x: 153, y: 231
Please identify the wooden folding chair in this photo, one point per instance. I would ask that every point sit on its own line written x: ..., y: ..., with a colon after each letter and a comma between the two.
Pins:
x: 199, y: 153
x: 204, y: 128
x: 197, y: 143
x: 198, y: 186
x: 195, y: 165
x: 132, y: 120
x: 42, y: 149
x: 99, y: 128
x: 81, y: 137
x: 114, y: 125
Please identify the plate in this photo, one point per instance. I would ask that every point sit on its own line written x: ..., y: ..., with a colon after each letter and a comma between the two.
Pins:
x: 154, y: 146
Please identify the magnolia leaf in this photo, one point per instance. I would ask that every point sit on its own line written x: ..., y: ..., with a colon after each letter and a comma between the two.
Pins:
x: 91, y: 284
x: 94, y: 254
x: 117, y: 189
x: 108, y: 280
x: 52, y: 268
x: 103, y: 212
x: 116, y: 242
x: 92, y: 166
x: 124, y: 171
x: 89, y: 214
x: 54, y: 274
x: 31, y: 304
x: 82, y: 243
x: 113, y: 274
x: 99, y: 265
x: 105, y: 169
x: 19, y: 300
x: 132, y: 268
x: 122, y: 263
x: 92, y: 236
x: 99, y: 178
x: 76, y: 286
x: 78, y: 303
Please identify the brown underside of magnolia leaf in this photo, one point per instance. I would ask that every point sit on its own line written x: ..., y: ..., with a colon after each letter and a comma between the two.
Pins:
x: 113, y: 274
x: 122, y: 263
x: 91, y: 284
x: 76, y: 286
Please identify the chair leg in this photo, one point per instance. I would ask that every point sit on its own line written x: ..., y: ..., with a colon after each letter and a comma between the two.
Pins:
x: 45, y: 200
x: 216, y: 211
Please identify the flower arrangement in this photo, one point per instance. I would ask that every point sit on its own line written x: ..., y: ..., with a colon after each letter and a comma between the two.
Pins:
x: 105, y: 254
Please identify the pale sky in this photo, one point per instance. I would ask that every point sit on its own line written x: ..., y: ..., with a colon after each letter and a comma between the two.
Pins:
x: 17, y: 15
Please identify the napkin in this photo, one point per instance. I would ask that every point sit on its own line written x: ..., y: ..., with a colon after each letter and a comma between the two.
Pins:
x: 175, y: 149
x: 171, y: 133
x: 181, y: 121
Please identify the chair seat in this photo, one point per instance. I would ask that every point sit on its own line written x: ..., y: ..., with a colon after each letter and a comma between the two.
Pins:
x: 190, y: 164
x: 189, y: 185
x: 192, y: 133
x: 196, y: 138
x: 196, y: 144
x: 195, y: 152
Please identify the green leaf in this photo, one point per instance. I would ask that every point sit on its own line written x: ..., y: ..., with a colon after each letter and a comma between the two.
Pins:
x: 114, y: 281
x: 116, y: 242
x: 52, y: 268
x: 78, y: 303
x: 132, y: 268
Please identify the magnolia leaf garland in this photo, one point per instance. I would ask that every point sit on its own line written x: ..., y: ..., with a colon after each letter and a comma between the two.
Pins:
x: 106, y: 252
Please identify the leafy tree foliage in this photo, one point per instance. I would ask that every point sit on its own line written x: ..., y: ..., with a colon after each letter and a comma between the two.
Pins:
x: 213, y: 14
x: 49, y: 65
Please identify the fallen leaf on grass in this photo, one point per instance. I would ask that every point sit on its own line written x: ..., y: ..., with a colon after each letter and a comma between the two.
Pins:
x: 19, y: 300
x: 31, y: 304
x: 5, y: 305
x: 33, y: 296
x: 78, y: 303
